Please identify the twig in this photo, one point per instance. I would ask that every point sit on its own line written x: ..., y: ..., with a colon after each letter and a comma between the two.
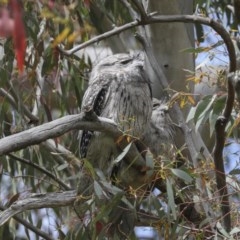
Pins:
x: 62, y: 154
x: 13, y: 103
x: 163, y: 19
x: 132, y: 12
x: 30, y: 226
x: 140, y: 9
x: 36, y: 166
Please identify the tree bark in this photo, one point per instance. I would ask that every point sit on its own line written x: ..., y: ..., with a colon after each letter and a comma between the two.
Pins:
x: 168, y: 40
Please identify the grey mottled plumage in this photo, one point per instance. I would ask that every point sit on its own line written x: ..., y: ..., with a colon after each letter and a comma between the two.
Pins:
x: 160, y: 129
x: 158, y: 138
x: 119, y: 90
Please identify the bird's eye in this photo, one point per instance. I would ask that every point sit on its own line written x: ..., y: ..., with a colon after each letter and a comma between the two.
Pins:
x: 155, y: 105
x: 125, y: 61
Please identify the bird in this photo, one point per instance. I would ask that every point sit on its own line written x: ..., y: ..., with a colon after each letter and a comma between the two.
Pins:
x: 120, y: 90
x: 158, y: 140
x: 160, y: 129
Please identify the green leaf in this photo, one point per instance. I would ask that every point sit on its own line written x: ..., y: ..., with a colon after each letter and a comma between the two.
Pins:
x: 191, y: 114
x: 235, y: 171
x: 98, y: 190
x: 149, y: 163
x: 107, y: 208
x: 201, y: 106
x: 123, y: 154
x: 128, y: 203
x: 195, y: 50
x: 212, y: 121
x: 235, y: 230
x: 89, y: 167
x: 219, y: 105
x: 216, y: 111
x: 223, y: 231
x: 111, y: 188
x: 62, y: 166
x: 205, y: 222
x: 182, y: 174
x: 171, y: 202
x: 203, y: 111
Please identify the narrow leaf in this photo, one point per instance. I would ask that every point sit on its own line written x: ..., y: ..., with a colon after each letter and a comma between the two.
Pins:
x: 182, y: 174
x: 235, y: 171
x: 98, y: 190
x: 235, y: 230
x: 191, y: 114
x: 123, y: 154
x: 171, y: 202
x: 61, y: 37
x: 62, y: 166
x: 222, y: 230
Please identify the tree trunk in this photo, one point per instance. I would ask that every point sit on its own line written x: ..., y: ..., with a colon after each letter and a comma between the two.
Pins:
x: 168, y: 40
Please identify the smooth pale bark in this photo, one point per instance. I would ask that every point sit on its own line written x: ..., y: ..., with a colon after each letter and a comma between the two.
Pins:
x: 169, y: 40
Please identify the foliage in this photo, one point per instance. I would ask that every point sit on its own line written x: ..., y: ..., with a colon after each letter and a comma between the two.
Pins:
x: 51, y: 86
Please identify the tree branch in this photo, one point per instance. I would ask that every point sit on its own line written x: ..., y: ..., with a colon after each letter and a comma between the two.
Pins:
x: 140, y: 9
x: 56, y: 128
x: 164, y: 19
x: 37, y: 201
x: 61, y: 154
x: 30, y: 226
x: 13, y: 103
x: 43, y: 170
x: 221, y: 122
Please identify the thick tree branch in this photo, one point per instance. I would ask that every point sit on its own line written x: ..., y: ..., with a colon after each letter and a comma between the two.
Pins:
x: 63, y: 125
x: 37, y: 201
x: 54, y: 129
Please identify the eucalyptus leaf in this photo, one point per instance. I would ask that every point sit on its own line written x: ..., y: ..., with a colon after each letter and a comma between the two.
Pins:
x: 203, y: 115
x: 223, y: 231
x: 62, y: 166
x: 191, y: 114
x: 235, y: 171
x: 235, y: 230
x: 123, y: 154
x: 98, y: 190
x: 171, y: 202
x: 201, y: 106
x: 182, y: 174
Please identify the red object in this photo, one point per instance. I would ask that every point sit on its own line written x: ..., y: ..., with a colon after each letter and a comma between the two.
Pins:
x: 19, y: 36
x: 87, y: 3
x: 6, y: 23
x: 51, y: 4
x: 99, y: 227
